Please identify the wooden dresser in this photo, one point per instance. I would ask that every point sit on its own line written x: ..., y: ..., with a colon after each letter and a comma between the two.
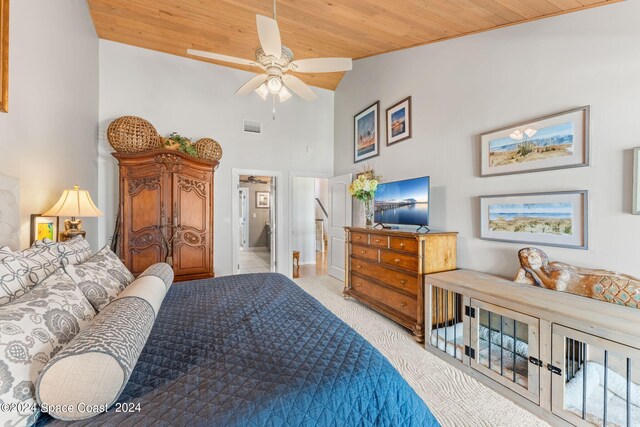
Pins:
x: 166, y: 212
x: 385, y: 270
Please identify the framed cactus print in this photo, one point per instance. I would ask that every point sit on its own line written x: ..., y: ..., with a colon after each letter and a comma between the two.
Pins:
x: 553, y: 142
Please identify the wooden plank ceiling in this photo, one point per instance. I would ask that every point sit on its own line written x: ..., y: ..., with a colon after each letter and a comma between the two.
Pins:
x: 312, y: 28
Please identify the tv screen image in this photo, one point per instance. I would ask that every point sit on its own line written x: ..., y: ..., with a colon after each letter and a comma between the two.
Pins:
x: 403, y: 202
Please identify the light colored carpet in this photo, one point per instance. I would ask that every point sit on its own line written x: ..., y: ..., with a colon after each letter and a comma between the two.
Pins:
x: 454, y: 397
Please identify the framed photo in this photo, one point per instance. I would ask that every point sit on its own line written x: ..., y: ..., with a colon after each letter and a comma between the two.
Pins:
x: 366, y: 138
x: 399, y: 121
x: 4, y: 56
x: 553, y: 142
x: 550, y: 219
x: 44, y: 227
x: 263, y: 199
x: 636, y: 181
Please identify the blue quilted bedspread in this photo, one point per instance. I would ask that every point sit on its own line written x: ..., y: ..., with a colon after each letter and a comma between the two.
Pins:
x: 256, y: 350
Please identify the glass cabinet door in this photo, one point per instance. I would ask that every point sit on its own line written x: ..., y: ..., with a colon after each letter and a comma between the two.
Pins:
x: 505, y: 347
x: 595, y: 381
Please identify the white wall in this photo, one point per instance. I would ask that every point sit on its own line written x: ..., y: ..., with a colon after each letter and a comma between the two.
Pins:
x: 197, y: 100
x: 303, y: 221
x: 466, y: 86
x: 48, y: 139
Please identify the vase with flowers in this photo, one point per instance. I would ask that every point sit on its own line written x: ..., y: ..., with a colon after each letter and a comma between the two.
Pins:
x: 363, y: 188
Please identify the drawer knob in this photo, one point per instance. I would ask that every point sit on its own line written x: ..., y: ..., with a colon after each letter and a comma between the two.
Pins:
x: 403, y: 304
x: 402, y: 245
x: 363, y: 252
x: 358, y: 285
x: 377, y: 240
x: 403, y: 282
x: 397, y: 260
x: 359, y: 266
x: 358, y: 237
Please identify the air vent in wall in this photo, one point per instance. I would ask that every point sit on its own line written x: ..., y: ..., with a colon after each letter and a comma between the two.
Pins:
x: 252, y: 127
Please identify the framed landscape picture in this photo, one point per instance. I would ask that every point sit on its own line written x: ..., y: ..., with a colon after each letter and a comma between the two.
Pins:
x: 551, y: 219
x: 399, y: 121
x: 552, y: 142
x: 263, y: 199
x: 44, y: 227
x: 366, y: 125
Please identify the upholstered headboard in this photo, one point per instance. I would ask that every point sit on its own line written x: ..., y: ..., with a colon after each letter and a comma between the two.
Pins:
x: 9, y: 212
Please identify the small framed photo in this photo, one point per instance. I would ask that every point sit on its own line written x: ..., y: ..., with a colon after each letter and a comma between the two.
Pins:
x: 636, y: 181
x: 399, y: 121
x: 263, y: 199
x: 557, y: 141
x: 44, y: 227
x: 552, y: 219
x: 366, y: 138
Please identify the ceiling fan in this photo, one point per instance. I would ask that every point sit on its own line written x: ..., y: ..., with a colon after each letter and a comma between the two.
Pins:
x: 277, y: 60
x: 254, y: 180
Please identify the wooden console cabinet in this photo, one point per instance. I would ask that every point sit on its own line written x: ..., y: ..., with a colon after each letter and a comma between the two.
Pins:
x: 385, y: 270
x: 166, y: 212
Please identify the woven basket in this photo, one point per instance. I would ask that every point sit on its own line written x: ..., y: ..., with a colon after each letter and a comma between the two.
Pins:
x: 130, y: 134
x: 209, y: 149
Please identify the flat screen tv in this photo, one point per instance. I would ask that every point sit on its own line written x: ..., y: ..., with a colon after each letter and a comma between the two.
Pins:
x: 403, y: 202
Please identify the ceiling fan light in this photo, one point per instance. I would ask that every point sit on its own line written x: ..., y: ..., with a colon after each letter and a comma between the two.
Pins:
x: 274, y: 84
x: 262, y: 91
x: 284, y: 94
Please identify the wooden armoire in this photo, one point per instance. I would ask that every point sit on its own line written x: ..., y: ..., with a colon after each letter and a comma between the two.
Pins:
x: 166, y: 212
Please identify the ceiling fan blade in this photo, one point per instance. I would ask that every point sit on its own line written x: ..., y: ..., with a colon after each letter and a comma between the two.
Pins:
x: 322, y: 65
x: 220, y: 57
x: 298, y: 87
x: 252, y: 84
x: 269, y: 36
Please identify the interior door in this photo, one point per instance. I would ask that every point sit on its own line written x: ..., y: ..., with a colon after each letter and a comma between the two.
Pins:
x: 243, y: 194
x: 272, y: 225
x: 339, y: 217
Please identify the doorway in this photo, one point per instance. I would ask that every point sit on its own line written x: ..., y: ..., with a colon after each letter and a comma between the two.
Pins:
x: 256, y: 221
x: 309, y: 226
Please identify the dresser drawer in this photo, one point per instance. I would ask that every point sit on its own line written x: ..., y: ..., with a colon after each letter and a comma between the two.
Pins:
x: 379, y: 241
x: 365, y: 252
x: 407, y: 245
x: 402, y: 303
x: 359, y: 238
x: 393, y: 278
x: 407, y: 262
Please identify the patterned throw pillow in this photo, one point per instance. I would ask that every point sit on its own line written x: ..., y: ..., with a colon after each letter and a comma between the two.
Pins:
x: 104, y: 354
x: 102, y: 277
x: 13, y: 278
x: 74, y: 251
x: 38, y: 262
x: 33, y: 329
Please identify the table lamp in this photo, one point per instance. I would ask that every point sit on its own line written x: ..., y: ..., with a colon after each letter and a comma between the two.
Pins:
x: 74, y: 203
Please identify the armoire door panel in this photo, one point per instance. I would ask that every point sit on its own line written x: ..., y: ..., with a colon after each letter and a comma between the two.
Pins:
x: 192, y: 196
x: 144, y: 258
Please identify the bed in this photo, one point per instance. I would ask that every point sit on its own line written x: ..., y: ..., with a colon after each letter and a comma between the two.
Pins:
x: 255, y: 350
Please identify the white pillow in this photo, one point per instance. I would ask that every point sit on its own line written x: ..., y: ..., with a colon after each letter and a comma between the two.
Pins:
x: 13, y: 277
x: 102, y: 277
x: 33, y: 329
x: 74, y: 251
x: 104, y: 354
x: 38, y: 262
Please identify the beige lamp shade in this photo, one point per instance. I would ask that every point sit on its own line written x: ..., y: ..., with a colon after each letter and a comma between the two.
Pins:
x: 74, y: 203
